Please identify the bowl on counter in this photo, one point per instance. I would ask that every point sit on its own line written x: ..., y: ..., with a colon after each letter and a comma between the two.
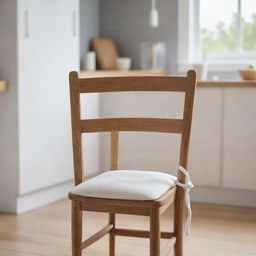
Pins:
x: 124, y: 63
x: 248, y: 74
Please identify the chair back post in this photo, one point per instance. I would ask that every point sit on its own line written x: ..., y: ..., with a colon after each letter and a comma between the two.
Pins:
x: 187, y: 122
x: 76, y: 131
x: 184, y: 150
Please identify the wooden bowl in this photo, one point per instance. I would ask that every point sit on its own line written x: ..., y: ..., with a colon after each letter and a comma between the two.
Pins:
x: 248, y: 74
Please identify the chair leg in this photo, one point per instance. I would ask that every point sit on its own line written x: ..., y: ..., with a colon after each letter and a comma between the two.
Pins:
x: 155, y: 232
x: 178, y: 247
x: 112, y: 235
x: 76, y: 229
x: 178, y: 223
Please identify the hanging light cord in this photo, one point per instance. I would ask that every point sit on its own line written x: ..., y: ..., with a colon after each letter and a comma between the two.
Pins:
x: 153, y: 4
x: 154, y: 16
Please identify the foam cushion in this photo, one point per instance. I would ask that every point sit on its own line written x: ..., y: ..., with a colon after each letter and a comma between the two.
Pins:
x: 127, y: 184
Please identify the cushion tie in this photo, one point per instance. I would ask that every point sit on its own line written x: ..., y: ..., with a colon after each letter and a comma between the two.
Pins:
x: 187, y: 187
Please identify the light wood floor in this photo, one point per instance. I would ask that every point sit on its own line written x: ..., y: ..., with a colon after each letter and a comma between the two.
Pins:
x: 216, y: 231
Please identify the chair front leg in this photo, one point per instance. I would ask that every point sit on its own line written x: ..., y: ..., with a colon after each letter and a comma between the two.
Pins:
x: 155, y: 231
x: 76, y: 228
x: 112, y: 235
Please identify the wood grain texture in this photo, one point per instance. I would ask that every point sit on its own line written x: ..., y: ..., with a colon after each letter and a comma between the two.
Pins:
x: 115, y: 209
x: 112, y: 240
x: 216, y: 231
x: 76, y: 134
x: 133, y: 83
x: 140, y: 233
x: 3, y: 85
x: 114, y: 166
x: 106, y: 53
x: 76, y: 225
x: 94, y: 238
x: 114, y: 150
x: 185, y: 139
x: 166, y: 200
x: 132, y: 124
x: 155, y: 231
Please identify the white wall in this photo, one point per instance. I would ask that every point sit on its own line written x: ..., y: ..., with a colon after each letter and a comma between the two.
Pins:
x: 8, y: 107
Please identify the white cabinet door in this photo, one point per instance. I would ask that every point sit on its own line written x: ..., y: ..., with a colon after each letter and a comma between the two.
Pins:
x: 205, y: 146
x: 239, y: 160
x: 48, y: 46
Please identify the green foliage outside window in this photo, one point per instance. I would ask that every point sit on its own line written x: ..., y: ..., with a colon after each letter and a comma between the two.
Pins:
x: 224, y: 38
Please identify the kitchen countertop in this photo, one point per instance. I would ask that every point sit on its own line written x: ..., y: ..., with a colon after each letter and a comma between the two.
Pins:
x: 227, y: 83
x: 207, y: 83
x: 111, y: 73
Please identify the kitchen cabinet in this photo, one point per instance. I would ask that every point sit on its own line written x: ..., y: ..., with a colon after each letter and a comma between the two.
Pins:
x: 206, y: 137
x: 223, y: 144
x: 48, y: 44
x: 239, y: 138
x: 39, y: 47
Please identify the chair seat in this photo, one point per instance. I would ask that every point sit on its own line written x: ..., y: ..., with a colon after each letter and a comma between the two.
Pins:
x: 127, y: 184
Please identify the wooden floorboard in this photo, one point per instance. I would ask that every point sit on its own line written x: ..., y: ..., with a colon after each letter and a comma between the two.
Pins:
x: 216, y: 231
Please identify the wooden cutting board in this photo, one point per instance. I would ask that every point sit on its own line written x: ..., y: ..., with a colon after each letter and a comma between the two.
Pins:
x: 106, y: 53
x: 3, y: 85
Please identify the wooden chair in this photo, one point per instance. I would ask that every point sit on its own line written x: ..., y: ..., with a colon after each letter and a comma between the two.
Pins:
x: 151, y: 208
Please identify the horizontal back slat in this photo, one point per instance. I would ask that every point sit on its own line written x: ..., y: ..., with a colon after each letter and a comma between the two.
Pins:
x: 122, y: 84
x: 132, y: 124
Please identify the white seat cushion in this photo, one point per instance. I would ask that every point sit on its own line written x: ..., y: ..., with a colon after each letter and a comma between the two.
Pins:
x: 127, y: 184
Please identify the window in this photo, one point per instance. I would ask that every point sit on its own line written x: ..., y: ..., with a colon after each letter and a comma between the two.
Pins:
x: 217, y: 31
x: 228, y: 28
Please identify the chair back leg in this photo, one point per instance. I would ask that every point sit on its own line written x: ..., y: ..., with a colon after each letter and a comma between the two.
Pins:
x: 178, y: 221
x: 76, y: 226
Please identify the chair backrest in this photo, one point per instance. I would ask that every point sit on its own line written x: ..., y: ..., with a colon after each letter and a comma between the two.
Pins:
x: 123, y: 84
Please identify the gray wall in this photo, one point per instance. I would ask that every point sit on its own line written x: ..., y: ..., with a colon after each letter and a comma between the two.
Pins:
x: 8, y: 107
x: 89, y: 24
x: 127, y: 21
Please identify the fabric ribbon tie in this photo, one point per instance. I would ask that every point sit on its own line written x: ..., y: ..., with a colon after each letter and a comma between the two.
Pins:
x: 187, y: 187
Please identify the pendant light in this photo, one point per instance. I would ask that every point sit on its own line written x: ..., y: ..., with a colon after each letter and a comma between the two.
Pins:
x: 154, y: 15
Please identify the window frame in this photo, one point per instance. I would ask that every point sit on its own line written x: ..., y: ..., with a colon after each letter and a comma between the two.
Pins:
x: 189, y: 50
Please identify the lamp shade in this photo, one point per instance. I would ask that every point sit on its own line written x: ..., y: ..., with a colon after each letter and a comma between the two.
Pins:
x: 154, y: 18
